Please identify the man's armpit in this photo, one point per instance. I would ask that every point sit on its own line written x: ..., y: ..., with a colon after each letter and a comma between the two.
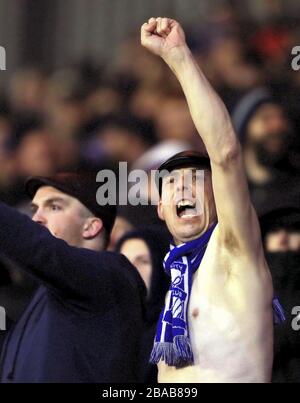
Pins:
x: 230, y: 242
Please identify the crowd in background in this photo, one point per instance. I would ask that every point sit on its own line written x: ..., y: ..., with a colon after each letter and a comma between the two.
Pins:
x: 86, y: 117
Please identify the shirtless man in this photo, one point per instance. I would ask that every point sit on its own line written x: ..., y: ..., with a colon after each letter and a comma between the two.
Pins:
x: 229, y: 314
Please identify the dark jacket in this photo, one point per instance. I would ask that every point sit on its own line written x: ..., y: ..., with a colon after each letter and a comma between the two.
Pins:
x: 285, y: 269
x: 84, y: 322
x: 3, y: 333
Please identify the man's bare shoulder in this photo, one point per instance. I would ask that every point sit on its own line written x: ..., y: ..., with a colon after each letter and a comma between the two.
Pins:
x: 233, y: 272
x: 226, y: 253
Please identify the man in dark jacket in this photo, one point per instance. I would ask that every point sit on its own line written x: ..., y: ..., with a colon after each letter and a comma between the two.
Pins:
x: 281, y: 237
x: 84, y: 322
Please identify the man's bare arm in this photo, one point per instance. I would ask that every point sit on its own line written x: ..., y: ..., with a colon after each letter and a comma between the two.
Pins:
x: 238, y: 224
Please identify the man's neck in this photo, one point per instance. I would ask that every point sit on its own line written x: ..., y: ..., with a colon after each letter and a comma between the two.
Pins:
x: 178, y: 242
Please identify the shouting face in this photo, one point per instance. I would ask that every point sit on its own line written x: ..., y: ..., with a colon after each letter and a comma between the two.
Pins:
x: 187, y: 203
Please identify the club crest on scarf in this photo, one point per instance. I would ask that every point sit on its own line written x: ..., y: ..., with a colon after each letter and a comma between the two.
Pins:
x: 176, y: 311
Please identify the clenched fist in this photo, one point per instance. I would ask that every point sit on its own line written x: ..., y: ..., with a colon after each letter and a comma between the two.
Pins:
x: 163, y: 37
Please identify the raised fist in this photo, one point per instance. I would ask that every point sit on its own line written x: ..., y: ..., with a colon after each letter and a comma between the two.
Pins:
x: 162, y: 36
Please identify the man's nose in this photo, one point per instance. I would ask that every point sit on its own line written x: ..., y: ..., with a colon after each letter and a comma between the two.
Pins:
x: 184, y: 182
x: 39, y: 217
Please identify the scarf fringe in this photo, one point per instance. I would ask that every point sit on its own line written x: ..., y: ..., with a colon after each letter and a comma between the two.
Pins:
x: 178, y: 353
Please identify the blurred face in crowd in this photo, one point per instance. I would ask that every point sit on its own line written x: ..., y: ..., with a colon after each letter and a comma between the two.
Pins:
x: 65, y: 116
x: 122, y: 145
x: 187, y: 203
x: 27, y: 90
x: 269, y: 134
x: 5, y: 135
x: 229, y: 66
x: 282, y: 240
x: 137, y: 252
x: 36, y: 154
x: 64, y: 216
x: 146, y: 102
x: 174, y: 120
x: 137, y: 62
x: 103, y: 101
x: 120, y: 227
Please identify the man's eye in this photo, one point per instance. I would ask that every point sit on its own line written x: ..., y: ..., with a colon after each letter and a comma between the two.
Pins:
x: 170, y: 180
x: 55, y: 207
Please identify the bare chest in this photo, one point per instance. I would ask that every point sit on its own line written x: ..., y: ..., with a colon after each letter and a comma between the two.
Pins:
x: 231, y: 335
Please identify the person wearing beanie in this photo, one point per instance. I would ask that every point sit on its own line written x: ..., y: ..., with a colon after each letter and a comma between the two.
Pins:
x: 84, y: 323
x: 266, y: 136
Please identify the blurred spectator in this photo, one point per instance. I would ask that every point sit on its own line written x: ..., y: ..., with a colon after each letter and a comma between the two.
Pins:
x: 65, y: 117
x: 174, y: 120
x: 146, y: 102
x: 281, y: 237
x: 134, y: 61
x: 110, y: 96
x: 121, y: 137
x: 27, y: 92
x: 146, y: 250
x: 231, y: 68
x: 7, y: 141
x: 36, y: 154
x: 266, y: 135
x: 281, y: 230
x: 120, y: 228
x: 272, y: 42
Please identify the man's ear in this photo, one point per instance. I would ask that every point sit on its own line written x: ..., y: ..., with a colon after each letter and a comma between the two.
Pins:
x: 92, y: 227
x: 160, y: 210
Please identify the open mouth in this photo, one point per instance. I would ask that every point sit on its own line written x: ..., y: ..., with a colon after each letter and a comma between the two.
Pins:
x: 186, y: 209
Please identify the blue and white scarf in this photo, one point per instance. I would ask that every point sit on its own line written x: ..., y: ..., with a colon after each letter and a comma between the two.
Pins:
x: 172, y: 343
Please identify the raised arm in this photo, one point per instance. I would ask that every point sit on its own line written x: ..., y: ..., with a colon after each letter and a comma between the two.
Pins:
x: 238, y: 224
x: 86, y: 278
